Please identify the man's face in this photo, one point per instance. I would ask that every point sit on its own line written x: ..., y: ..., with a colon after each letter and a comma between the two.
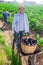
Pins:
x: 21, y: 9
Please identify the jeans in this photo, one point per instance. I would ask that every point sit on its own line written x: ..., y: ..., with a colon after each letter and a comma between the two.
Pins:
x: 17, y: 39
x: 5, y: 18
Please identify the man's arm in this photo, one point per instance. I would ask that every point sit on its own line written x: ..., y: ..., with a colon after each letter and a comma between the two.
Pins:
x: 14, y: 24
x: 26, y: 24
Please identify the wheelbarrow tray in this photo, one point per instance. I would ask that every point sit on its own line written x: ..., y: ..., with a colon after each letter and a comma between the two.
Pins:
x: 28, y: 49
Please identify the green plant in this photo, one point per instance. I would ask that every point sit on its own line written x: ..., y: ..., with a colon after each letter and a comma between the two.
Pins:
x: 40, y: 43
x: 2, y: 56
x: 34, y: 14
x: 5, y: 46
x: 2, y: 39
x: 37, y: 36
x: 15, y: 59
x: 6, y: 52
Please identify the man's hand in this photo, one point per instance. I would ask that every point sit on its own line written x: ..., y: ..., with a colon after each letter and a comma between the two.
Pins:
x: 27, y: 33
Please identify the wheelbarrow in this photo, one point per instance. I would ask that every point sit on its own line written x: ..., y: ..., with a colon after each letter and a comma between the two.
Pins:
x: 31, y: 52
x: 32, y: 56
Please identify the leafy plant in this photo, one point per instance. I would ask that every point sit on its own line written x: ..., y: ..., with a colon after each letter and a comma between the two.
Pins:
x: 6, y: 52
x: 34, y: 14
x: 5, y: 46
x: 2, y: 57
x: 15, y: 59
x: 2, y: 39
x: 40, y: 43
x: 37, y: 36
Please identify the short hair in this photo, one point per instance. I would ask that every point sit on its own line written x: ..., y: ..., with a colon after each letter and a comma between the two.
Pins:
x: 22, y: 6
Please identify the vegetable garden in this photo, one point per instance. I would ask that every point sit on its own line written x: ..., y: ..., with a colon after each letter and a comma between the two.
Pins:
x: 34, y: 14
x: 35, y: 18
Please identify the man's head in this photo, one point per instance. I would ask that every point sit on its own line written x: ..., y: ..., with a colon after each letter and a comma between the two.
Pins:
x: 21, y: 9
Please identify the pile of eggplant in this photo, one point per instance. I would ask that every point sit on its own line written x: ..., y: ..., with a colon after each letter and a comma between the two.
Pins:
x: 29, y: 41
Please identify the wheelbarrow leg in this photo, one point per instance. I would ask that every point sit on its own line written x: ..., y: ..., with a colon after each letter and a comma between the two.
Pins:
x: 31, y: 61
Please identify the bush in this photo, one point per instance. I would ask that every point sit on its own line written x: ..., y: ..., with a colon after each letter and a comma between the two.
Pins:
x: 15, y: 59
x: 8, y: 50
x: 37, y: 36
x: 34, y: 14
x: 36, y: 25
x: 2, y: 39
x: 40, y: 43
x: 2, y: 57
x: 6, y: 47
x: 6, y: 53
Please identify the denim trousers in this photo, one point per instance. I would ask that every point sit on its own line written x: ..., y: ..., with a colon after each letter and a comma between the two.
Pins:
x: 17, y: 39
x: 5, y: 18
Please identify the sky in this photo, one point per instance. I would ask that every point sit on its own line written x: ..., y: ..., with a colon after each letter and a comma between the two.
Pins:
x: 20, y: 1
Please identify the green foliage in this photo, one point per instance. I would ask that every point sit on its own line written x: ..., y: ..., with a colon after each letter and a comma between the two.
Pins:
x: 15, y: 59
x: 6, y: 52
x: 37, y: 36
x: 2, y: 39
x: 36, y: 25
x: 10, y: 20
x: 34, y: 14
x: 40, y: 43
x: 12, y: 8
x: 5, y: 46
x: 2, y: 57
x: 2, y: 52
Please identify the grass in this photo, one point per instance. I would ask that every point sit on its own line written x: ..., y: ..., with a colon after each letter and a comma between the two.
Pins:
x: 6, y: 53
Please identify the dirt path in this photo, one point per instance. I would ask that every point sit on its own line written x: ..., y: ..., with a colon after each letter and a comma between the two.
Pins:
x: 8, y: 35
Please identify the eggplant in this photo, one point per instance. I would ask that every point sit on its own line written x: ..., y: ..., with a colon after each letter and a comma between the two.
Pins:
x: 29, y: 41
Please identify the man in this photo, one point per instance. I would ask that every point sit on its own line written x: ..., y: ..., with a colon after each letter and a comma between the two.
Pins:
x: 20, y: 25
x: 6, y: 14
